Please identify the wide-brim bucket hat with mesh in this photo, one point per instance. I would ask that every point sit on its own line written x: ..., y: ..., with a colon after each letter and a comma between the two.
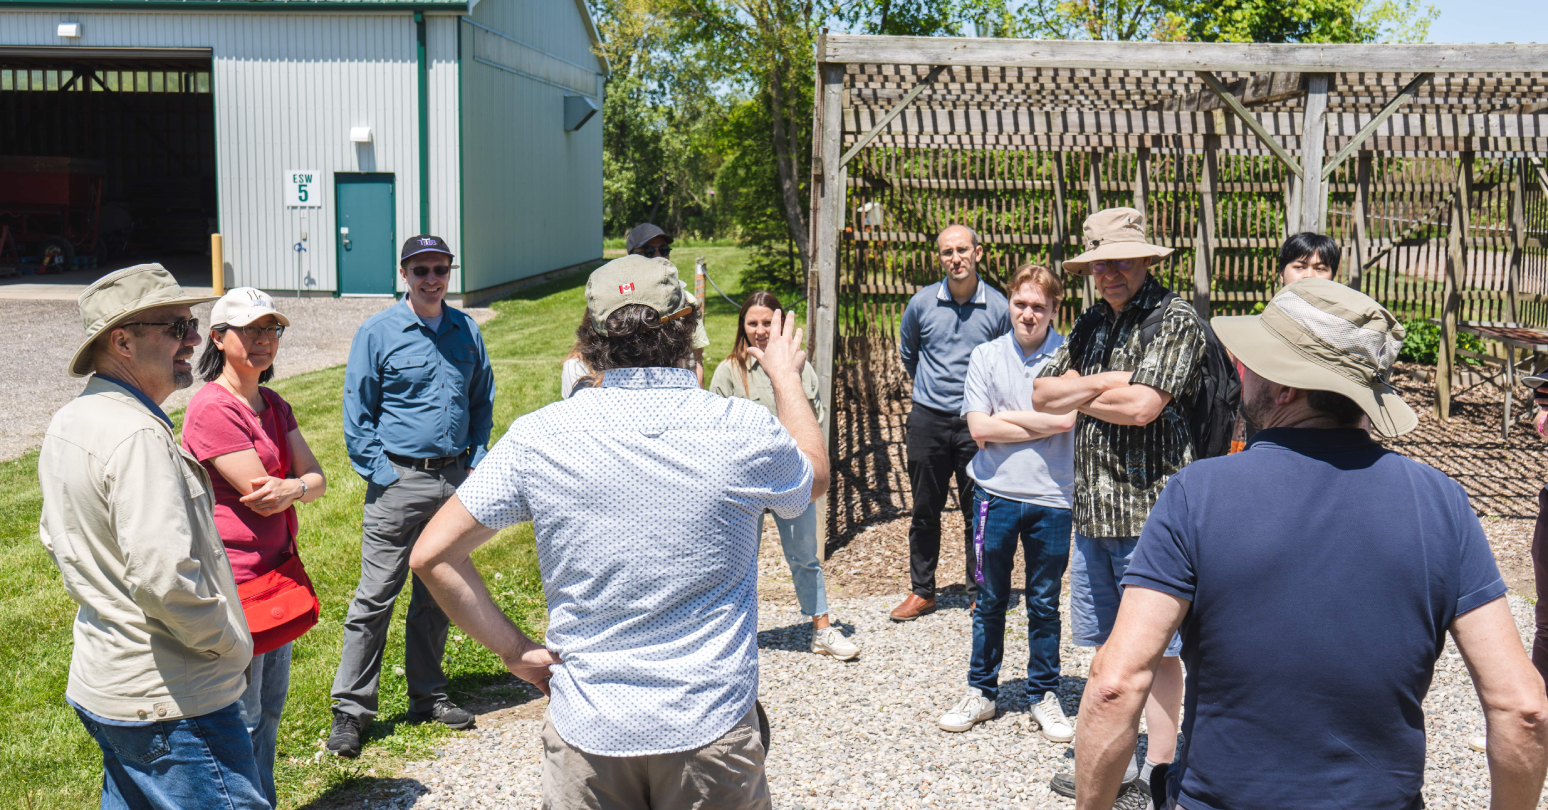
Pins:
x: 1112, y: 234
x: 1318, y: 335
x: 119, y: 296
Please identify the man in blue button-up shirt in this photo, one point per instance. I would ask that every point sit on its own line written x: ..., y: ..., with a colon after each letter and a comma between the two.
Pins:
x: 418, y: 405
x: 941, y: 326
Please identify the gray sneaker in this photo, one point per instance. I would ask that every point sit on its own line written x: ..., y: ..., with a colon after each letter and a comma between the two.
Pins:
x: 1063, y: 782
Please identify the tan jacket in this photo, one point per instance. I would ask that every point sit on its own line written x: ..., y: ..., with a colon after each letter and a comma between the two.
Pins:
x: 727, y: 382
x: 128, y: 518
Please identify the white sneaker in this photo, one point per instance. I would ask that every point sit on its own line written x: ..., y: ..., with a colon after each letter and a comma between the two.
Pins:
x: 971, y: 710
x: 829, y: 641
x: 1479, y: 744
x: 1051, y: 720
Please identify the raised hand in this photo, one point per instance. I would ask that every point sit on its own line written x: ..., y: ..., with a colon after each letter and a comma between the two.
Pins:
x: 785, y: 353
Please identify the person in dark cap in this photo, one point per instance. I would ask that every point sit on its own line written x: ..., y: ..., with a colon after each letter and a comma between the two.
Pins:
x: 418, y: 405
x: 650, y: 241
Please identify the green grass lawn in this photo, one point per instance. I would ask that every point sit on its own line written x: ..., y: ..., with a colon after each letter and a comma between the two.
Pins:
x: 46, y: 758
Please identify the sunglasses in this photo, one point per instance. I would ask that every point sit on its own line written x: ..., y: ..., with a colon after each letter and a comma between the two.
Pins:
x: 440, y: 270
x: 179, y: 329
x: 1121, y: 265
x: 255, y: 332
x: 651, y: 252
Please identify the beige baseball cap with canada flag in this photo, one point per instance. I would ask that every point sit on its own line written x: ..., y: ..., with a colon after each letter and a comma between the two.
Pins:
x: 635, y: 279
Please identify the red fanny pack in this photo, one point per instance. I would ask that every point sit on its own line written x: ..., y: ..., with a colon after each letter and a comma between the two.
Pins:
x: 280, y: 605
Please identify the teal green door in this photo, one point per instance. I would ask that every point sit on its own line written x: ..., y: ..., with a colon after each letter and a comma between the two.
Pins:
x: 366, y: 237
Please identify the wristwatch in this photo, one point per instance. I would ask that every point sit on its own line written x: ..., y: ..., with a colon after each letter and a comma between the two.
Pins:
x: 304, y: 488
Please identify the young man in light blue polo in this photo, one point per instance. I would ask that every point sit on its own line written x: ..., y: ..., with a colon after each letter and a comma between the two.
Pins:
x: 1024, y: 475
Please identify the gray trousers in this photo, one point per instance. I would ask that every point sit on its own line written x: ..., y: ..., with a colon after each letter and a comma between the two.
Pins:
x: 394, y: 517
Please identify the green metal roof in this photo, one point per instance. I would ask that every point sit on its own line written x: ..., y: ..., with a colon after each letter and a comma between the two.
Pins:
x: 237, y: 5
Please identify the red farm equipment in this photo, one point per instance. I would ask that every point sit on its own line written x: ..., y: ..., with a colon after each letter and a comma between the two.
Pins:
x: 49, y: 211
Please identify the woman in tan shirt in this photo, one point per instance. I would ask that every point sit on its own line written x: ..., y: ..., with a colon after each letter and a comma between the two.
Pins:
x: 741, y: 376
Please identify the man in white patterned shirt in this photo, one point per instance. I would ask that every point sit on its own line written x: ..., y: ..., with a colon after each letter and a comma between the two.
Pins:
x: 644, y: 494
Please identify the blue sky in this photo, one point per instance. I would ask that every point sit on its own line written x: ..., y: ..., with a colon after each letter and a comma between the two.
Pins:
x: 1490, y: 21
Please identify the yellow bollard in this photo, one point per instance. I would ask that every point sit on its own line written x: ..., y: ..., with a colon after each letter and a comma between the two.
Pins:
x: 217, y: 266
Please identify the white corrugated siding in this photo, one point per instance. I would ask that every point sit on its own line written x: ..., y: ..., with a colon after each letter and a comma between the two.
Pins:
x: 288, y: 87
x: 532, y: 192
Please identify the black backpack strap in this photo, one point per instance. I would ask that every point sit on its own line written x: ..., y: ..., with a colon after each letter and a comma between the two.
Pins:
x: 1151, y: 326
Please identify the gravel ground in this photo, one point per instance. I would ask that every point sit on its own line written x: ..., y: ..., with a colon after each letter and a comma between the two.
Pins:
x: 862, y: 734
x: 44, y: 334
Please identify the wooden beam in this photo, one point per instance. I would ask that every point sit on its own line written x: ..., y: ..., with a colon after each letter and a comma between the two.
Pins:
x: 1403, y: 97
x: 829, y: 216
x: 1518, y: 238
x: 1257, y: 89
x: 1451, y: 301
x: 923, y: 119
x: 1142, y: 182
x: 1362, y: 211
x: 1314, y: 131
x: 1204, y: 243
x: 1221, y: 57
x: 897, y: 109
x: 1093, y: 205
x: 1252, y: 123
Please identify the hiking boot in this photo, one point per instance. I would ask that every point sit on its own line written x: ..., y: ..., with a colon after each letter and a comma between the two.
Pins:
x: 1063, y: 782
x: 1051, y: 720
x: 971, y: 710
x: 447, y: 714
x: 344, y: 739
x: 829, y: 641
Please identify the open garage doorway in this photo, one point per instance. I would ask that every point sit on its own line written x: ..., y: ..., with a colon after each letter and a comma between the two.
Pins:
x: 107, y: 158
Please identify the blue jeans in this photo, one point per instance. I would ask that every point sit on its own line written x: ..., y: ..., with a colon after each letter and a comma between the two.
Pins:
x: 798, y: 538
x: 1044, y: 535
x: 262, y: 704
x: 1096, y: 586
x: 190, y: 762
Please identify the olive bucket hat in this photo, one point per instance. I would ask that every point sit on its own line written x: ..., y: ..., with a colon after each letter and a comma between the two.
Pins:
x: 1318, y: 335
x: 119, y: 296
x: 1114, y: 233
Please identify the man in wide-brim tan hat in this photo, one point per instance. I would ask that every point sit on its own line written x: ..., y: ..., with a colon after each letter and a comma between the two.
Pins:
x: 1315, y: 577
x: 1134, y: 398
x: 161, y: 644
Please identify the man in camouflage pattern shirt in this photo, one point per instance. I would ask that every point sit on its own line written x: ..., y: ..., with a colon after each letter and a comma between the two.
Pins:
x: 1130, y: 438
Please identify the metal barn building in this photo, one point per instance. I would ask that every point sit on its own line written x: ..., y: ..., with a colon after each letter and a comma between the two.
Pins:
x: 313, y: 135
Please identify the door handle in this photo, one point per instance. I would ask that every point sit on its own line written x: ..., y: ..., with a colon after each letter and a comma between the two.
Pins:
x: 344, y: 234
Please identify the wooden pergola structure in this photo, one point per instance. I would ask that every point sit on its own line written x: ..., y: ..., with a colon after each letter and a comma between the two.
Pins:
x: 1423, y: 161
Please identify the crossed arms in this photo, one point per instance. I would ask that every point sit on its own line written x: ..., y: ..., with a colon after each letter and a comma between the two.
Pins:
x: 1107, y: 395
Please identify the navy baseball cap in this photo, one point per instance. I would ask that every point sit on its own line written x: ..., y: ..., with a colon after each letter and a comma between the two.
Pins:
x: 424, y: 243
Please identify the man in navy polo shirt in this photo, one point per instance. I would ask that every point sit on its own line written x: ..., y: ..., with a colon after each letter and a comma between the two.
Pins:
x: 942, y: 324
x: 1314, y: 578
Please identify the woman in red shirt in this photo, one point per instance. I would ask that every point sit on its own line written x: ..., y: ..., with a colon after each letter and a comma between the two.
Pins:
x: 259, y: 467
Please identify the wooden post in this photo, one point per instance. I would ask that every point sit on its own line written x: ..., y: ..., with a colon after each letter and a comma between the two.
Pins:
x: 828, y: 215
x: 1362, y: 212
x: 1456, y: 261
x: 1093, y: 205
x: 217, y: 265
x: 1204, y: 242
x: 1142, y: 184
x: 1517, y: 240
x: 1314, y: 135
x: 1292, y: 205
x: 1061, y: 231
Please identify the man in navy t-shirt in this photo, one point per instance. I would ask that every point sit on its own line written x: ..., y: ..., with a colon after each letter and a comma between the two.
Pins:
x: 1314, y: 578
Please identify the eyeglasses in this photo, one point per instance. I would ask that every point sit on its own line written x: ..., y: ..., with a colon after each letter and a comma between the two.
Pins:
x: 179, y: 329
x: 651, y: 251
x: 1121, y: 265
x: 255, y: 332
x: 440, y: 270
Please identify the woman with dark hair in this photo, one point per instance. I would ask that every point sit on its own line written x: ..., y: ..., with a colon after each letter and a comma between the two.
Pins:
x: 260, y: 467
x: 741, y: 376
x: 1307, y: 255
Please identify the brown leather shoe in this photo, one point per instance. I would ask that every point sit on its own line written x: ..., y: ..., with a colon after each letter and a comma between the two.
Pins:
x: 912, y: 608
x: 972, y: 606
